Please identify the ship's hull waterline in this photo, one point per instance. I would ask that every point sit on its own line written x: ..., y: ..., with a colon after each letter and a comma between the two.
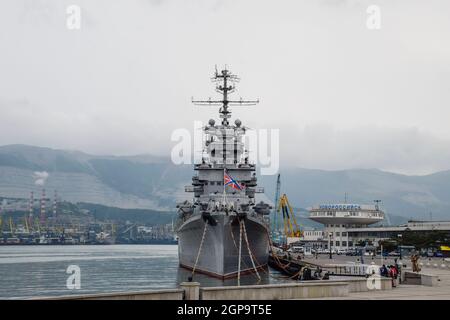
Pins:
x: 219, y: 254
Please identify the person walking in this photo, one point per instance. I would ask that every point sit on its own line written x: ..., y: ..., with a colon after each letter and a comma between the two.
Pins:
x: 415, y: 263
x: 396, y: 276
x: 383, y: 271
x: 393, y: 275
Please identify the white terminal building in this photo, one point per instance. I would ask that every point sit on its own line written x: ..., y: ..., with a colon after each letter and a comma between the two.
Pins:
x: 340, y: 221
x: 348, y: 226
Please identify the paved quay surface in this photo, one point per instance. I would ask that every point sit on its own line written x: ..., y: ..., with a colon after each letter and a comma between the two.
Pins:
x: 408, y: 292
x: 402, y: 292
x: 430, y: 266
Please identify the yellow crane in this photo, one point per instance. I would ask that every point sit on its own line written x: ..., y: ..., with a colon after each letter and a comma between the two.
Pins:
x: 26, y: 224
x: 11, y: 227
x: 288, y: 218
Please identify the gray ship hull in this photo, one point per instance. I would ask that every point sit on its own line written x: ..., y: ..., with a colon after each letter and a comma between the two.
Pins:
x: 220, y: 250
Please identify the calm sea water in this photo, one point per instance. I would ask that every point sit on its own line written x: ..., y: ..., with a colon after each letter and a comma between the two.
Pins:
x: 33, y: 271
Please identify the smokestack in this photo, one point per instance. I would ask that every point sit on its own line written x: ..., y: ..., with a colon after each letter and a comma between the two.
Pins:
x: 42, y: 217
x: 54, y: 205
x: 31, y: 208
x: 31, y: 204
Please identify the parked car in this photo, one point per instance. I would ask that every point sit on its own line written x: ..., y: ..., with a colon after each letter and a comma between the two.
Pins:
x: 354, y: 252
x: 393, y: 254
x: 297, y: 249
x: 342, y: 251
x: 438, y: 254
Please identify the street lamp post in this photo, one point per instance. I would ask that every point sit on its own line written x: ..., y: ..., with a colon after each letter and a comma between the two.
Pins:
x: 400, y: 247
x: 329, y: 244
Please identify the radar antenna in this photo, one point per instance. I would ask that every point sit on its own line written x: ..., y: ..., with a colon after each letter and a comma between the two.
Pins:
x: 225, y: 84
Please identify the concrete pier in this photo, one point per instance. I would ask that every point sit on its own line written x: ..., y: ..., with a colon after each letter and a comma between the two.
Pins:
x: 191, y: 290
x: 295, y: 290
x: 277, y: 292
x: 169, y: 294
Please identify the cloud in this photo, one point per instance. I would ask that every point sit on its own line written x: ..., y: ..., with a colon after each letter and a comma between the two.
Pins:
x: 123, y: 82
x: 401, y: 150
x: 40, y: 177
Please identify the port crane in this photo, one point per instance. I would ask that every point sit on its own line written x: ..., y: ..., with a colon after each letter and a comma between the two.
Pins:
x: 11, y: 226
x: 291, y: 228
x: 275, y: 210
x: 27, y: 228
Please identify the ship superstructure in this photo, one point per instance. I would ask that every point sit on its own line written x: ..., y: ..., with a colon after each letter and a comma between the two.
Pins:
x: 223, y: 231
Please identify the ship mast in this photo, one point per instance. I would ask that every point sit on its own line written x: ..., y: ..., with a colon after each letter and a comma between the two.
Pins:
x: 225, y: 85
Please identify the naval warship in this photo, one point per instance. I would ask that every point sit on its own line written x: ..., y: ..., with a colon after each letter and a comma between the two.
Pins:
x: 223, y: 232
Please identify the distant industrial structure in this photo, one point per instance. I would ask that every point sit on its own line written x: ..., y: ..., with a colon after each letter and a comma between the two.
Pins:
x: 19, y: 224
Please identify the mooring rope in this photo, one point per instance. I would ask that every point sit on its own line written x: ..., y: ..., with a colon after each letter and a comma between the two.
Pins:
x: 240, y: 251
x: 253, y: 257
x: 298, y: 273
x: 249, y: 250
x: 259, y: 264
x: 275, y: 256
x: 200, y: 248
x: 278, y: 262
x: 235, y: 245
x: 272, y: 253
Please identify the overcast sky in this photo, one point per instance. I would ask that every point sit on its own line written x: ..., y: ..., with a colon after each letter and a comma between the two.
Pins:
x: 343, y: 96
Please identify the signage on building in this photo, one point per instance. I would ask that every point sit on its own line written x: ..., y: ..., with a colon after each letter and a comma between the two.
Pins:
x: 340, y: 206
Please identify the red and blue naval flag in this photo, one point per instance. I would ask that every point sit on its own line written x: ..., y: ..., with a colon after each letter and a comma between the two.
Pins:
x: 229, y: 181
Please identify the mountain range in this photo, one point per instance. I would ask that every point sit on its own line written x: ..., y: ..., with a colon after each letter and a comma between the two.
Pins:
x: 150, y: 182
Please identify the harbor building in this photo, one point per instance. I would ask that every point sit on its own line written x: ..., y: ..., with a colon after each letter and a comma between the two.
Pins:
x: 376, y: 234
x: 338, y: 219
x: 347, y: 226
